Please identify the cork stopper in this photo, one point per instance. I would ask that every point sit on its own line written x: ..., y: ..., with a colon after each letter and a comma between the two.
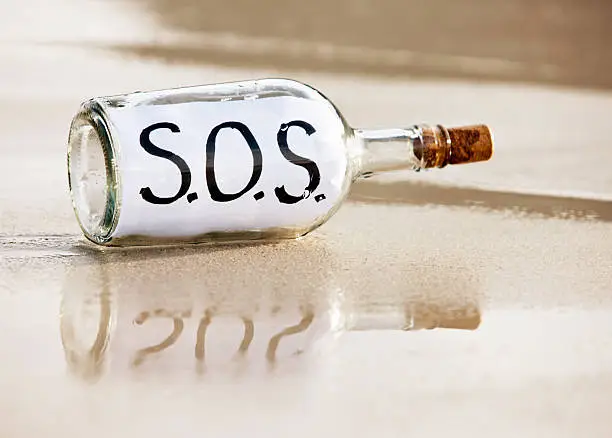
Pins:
x: 438, y: 146
x: 470, y: 144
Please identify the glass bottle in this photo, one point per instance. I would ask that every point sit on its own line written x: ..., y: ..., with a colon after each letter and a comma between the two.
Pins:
x: 262, y: 159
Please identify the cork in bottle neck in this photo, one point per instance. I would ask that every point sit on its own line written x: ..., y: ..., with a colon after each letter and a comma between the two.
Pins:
x: 437, y: 146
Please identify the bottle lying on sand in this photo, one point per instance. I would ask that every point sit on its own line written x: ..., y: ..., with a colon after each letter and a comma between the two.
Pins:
x: 265, y: 159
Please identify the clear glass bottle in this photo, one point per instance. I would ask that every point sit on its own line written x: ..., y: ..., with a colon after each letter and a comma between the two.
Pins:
x: 262, y: 159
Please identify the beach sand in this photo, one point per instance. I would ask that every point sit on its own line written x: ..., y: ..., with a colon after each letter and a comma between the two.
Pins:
x: 469, y: 301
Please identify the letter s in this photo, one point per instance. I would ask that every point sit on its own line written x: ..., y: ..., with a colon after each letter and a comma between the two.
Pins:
x: 309, y: 165
x: 148, y: 146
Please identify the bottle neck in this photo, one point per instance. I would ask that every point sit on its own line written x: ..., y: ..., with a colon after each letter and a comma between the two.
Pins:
x: 415, y: 148
x: 419, y: 147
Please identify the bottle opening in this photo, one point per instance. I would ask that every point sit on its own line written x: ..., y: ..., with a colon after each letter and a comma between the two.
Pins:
x: 91, y: 178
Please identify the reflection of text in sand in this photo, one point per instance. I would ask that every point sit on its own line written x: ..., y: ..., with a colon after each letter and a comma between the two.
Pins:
x: 148, y: 319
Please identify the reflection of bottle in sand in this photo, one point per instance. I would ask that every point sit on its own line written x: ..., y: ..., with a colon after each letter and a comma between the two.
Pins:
x: 416, y: 316
x: 437, y: 291
x: 265, y: 159
x: 87, y: 317
x: 182, y: 311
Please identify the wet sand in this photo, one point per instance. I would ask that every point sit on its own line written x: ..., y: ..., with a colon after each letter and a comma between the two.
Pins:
x: 468, y: 302
x: 535, y: 205
x: 560, y: 42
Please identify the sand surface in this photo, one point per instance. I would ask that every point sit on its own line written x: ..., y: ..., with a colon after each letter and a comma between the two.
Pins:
x: 509, y: 263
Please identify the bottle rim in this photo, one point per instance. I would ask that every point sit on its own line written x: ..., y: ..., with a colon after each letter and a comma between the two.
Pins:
x: 91, y: 118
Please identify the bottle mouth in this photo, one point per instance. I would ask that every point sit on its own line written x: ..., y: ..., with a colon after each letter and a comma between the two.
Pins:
x: 92, y: 176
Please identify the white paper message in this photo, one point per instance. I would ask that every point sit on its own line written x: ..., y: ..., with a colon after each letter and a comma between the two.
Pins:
x: 199, y: 167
